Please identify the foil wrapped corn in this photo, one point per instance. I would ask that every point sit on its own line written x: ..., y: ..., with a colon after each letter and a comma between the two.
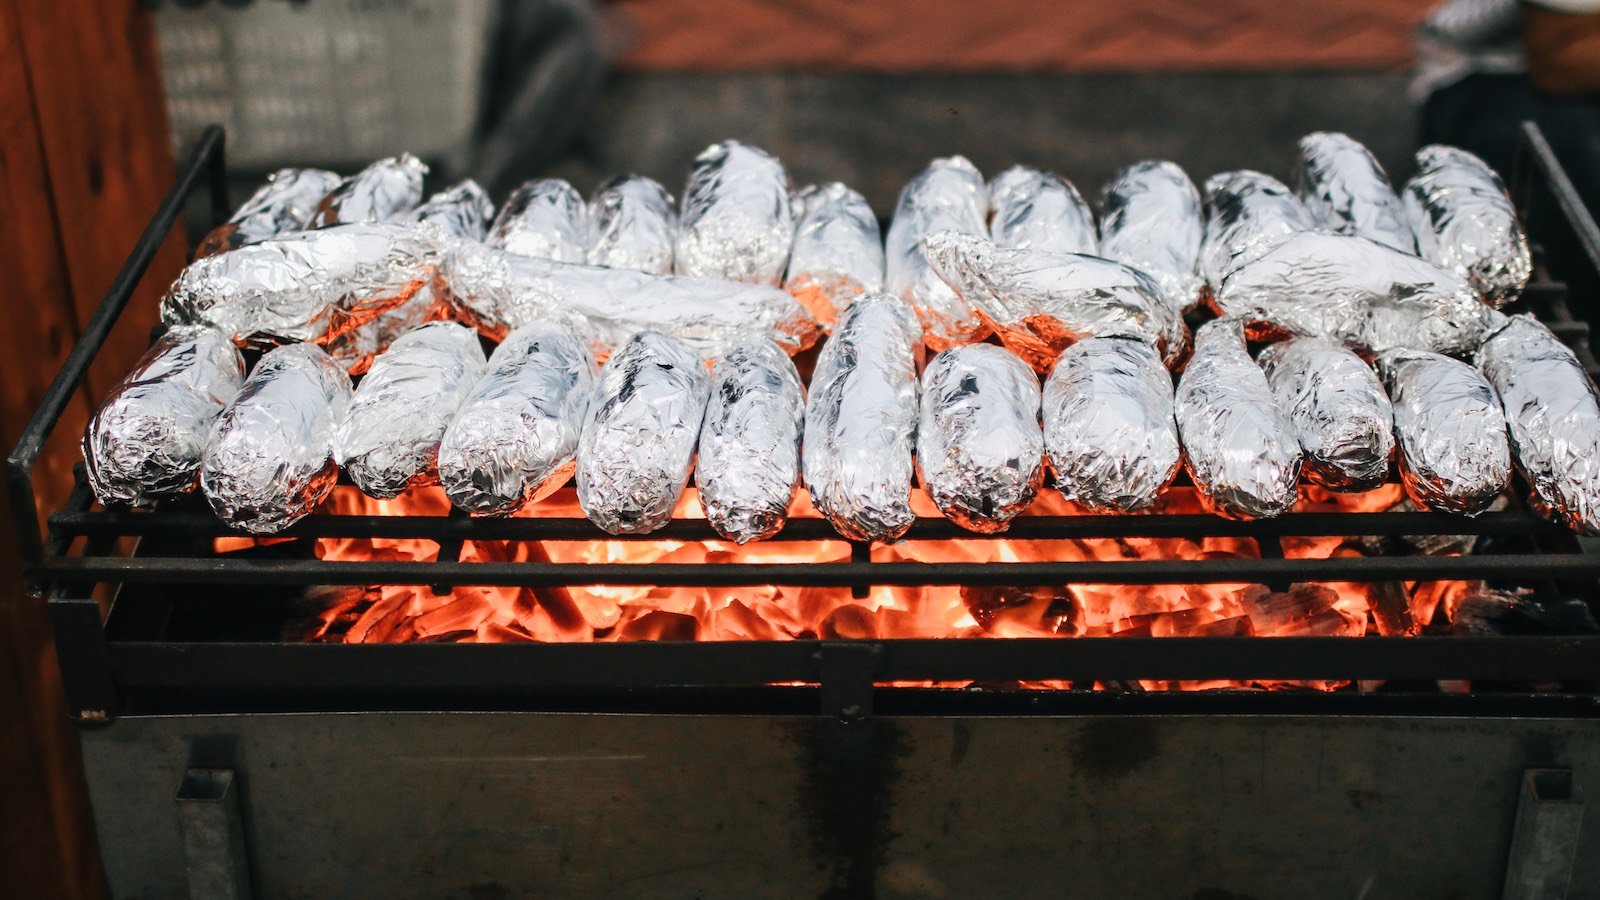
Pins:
x: 544, y: 218
x: 1151, y: 219
x: 1454, y: 454
x: 1247, y: 214
x: 285, y: 203
x: 1338, y: 409
x: 948, y: 195
x: 737, y: 221
x: 838, y: 251
x: 1347, y: 191
x: 750, y: 441
x: 1464, y: 221
x: 1037, y: 210
x: 632, y: 225
x: 382, y: 192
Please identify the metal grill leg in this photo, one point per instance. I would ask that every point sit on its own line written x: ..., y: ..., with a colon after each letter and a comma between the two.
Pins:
x: 213, y: 836
x: 1545, y: 839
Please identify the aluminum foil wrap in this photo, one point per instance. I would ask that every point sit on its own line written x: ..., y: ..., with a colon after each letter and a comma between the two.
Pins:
x: 1239, y: 444
x: 514, y: 438
x: 1464, y: 221
x: 980, y: 453
x: 1357, y: 292
x: 1108, y: 424
x: 750, y: 441
x: 463, y: 211
x: 285, y: 203
x: 838, y: 251
x: 1454, y: 455
x: 149, y: 435
x: 382, y: 192
x: 948, y: 195
x: 861, y: 420
x: 737, y: 222
x: 1031, y: 209
x: 632, y: 225
x: 544, y: 218
x: 1338, y: 408
x: 1247, y: 214
x: 1553, y: 416
x: 270, y: 458
x: 640, y: 433
x: 389, y: 439
x: 1151, y: 219
x: 1347, y: 191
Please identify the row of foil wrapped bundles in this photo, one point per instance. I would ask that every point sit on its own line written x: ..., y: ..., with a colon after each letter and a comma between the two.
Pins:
x: 999, y: 334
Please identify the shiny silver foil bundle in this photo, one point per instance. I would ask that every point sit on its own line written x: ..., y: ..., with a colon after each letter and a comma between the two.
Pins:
x: 640, y: 433
x: 980, y: 453
x: 1032, y: 209
x: 149, y: 435
x: 1357, y: 292
x: 1553, y: 415
x: 270, y: 458
x: 1338, y: 408
x: 632, y: 225
x: 1464, y: 221
x: 737, y: 222
x: 382, y: 192
x: 284, y: 204
x: 1108, y: 424
x: 838, y: 251
x: 389, y: 439
x: 1247, y: 214
x: 514, y: 438
x: 1151, y: 219
x: 1347, y: 191
x: 545, y: 218
x: 750, y: 441
x: 1239, y: 445
x: 462, y: 211
x: 1454, y: 454
x: 948, y: 195
x: 861, y: 420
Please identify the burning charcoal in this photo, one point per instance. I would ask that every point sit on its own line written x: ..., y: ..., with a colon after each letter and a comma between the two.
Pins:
x: 461, y: 212
x: 515, y: 435
x: 861, y: 421
x: 1037, y: 210
x: 1339, y: 411
x: 150, y: 434
x: 1239, y: 444
x: 1454, y: 456
x: 1464, y: 222
x: 382, y: 192
x: 284, y: 204
x: 737, y: 222
x: 270, y: 458
x: 1247, y: 214
x: 838, y: 251
x: 1151, y: 219
x: 640, y: 433
x: 1553, y: 415
x: 949, y: 194
x: 980, y: 452
x: 1304, y: 610
x: 1488, y: 613
x: 1014, y: 611
x: 632, y: 224
x: 750, y: 441
x: 1108, y: 424
x: 544, y: 218
x: 1349, y: 193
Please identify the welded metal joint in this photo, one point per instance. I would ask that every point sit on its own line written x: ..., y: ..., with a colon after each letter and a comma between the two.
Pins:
x: 847, y: 670
x: 1544, y: 841
x: 214, y: 852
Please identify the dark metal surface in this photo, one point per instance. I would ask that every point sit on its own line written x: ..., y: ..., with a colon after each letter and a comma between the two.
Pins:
x: 214, y: 850
x: 1546, y: 837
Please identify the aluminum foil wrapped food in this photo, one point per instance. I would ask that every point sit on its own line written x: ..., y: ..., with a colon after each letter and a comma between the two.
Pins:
x: 737, y: 222
x: 1454, y: 455
x: 463, y: 211
x: 270, y: 458
x: 389, y: 439
x: 1358, y: 292
x: 1037, y: 210
x: 149, y: 435
x: 861, y: 420
x: 838, y: 251
x: 1239, y: 445
x: 1338, y: 409
x: 514, y: 438
x: 750, y: 441
x: 632, y: 225
x: 948, y: 195
x: 1348, y: 192
x: 1553, y: 415
x: 382, y: 192
x: 284, y: 204
x: 1247, y: 214
x: 1108, y: 424
x: 1464, y: 221
x: 544, y: 218
x: 980, y: 453
x: 640, y: 433
x: 1151, y: 219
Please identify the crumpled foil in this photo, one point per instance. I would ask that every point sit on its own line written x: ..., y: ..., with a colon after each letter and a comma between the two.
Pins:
x: 149, y: 436
x: 544, y: 218
x: 861, y: 420
x: 948, y: 195
x: 1454, y: 454
x: 1151, y: 219
x: 1357, y: 292
x: 285, y: 203
x: 1347, y: 191
x: 514, y: 438
x: 1247, y: 214
x: 1109, y: 426
x: 1338, y: 408
x: 1239, y: 444
x: 838, y: 251
x: 980, y: 453
x: 750, y: 442
x: 270, y: 458
x: 1464, y: 221
x: 737, y: 222
x: 1553, y: 415
x: 462, y: 211
x: 389, y: 439
x: 1037, y: 210
x: 632, y: 225
x: 382, y: 192
x: 640, y: 433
